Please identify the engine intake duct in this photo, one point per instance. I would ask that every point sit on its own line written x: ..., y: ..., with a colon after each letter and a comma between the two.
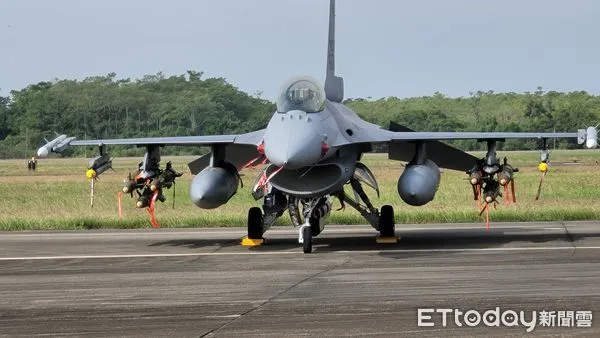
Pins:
x: 318, y: 180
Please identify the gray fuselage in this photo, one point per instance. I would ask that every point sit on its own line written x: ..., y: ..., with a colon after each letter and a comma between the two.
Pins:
x: 318, y: 151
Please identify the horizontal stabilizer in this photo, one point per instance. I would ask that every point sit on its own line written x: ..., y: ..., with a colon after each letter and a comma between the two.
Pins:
x: 443, y: 155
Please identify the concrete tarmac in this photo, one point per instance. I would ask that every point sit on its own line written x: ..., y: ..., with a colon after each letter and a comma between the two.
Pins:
x: 201, y: 282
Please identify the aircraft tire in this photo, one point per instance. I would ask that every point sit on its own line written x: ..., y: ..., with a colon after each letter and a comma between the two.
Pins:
x: 307, y: 236
x: 387, y: 228
x: 255, y: 220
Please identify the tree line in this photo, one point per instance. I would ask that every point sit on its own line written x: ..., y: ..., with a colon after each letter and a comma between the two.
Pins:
x: 187, y: 104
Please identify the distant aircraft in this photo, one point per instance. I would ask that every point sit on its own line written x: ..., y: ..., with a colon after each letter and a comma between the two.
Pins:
x: 312, y: 149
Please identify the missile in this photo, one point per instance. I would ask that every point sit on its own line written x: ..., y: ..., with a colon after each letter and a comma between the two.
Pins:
x: 506, y: 174
x: 591, y: 140
x: 142, y: 202
x: 165, y: 179
x: 57, y: 145
x: 475, y: 177
x: 588, y: 137
x: 128, y: 185
x: 154, y: 185
x: 98, y: 165
x: 491, y: 191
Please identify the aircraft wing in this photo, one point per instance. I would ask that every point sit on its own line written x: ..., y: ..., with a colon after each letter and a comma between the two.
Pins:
x: 252, y: 138
x: 425, y: 136
x: 173, y: 141
x: 239, y: 149
x: 444, y: 155
x: 402, y: 142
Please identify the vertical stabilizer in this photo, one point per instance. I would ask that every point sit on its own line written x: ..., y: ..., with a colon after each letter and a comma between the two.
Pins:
x: 334, y: 85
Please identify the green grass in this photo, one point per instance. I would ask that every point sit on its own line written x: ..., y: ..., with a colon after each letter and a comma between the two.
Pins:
x: 57, y: 195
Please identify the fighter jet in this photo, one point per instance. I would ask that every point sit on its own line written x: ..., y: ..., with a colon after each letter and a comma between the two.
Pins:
x: 311, y: 151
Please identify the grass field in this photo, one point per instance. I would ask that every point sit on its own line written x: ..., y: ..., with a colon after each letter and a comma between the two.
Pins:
x: 56, y: 196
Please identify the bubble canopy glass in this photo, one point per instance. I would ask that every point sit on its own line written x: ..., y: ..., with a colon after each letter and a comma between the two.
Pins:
x: 301, y: 93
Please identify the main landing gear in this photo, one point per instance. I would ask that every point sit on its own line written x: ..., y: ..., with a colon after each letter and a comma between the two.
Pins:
x: 255, y: 223
x: 258, y: 222
x: 383, y: 220
x: 308, y: 215
x: 387, y: 227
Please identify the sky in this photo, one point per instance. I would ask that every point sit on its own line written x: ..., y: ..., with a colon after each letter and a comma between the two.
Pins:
x: 384, y: 47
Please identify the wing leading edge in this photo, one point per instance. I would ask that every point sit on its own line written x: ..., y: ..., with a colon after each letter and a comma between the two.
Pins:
x: 425, y: 136
x: 249, y: 139
x: 252, y: 138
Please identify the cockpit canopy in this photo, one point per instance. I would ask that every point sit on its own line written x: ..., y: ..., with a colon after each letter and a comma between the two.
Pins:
x: 301, y: 93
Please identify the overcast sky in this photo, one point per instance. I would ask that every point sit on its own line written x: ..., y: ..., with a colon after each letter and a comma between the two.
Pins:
x: 384, y: 47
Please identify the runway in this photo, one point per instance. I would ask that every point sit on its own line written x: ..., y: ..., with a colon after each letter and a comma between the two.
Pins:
x: 201, y: 282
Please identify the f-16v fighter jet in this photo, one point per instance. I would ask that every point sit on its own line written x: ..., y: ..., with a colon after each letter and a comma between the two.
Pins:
x: 311, y: 151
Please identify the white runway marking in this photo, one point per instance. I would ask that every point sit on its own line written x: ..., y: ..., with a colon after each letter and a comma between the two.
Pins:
x: 282, y: 253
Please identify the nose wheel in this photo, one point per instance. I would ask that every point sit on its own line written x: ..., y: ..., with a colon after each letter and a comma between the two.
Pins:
x: 305, y: 238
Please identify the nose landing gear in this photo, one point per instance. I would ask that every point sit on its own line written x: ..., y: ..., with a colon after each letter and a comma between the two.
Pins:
x: 305, y: 237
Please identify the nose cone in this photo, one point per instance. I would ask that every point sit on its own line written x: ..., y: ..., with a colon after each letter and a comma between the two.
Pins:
x: 591, y: 137
x: 294, y: 140
x: 42, y: 152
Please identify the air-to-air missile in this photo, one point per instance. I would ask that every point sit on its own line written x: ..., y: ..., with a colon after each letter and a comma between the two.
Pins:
x: 99, y: 164
x: 60, y: 143
x: 591, y: 137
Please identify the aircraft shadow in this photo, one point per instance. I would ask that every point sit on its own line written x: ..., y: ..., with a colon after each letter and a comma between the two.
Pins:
x: 454, y: 239
x: 195, y: 243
